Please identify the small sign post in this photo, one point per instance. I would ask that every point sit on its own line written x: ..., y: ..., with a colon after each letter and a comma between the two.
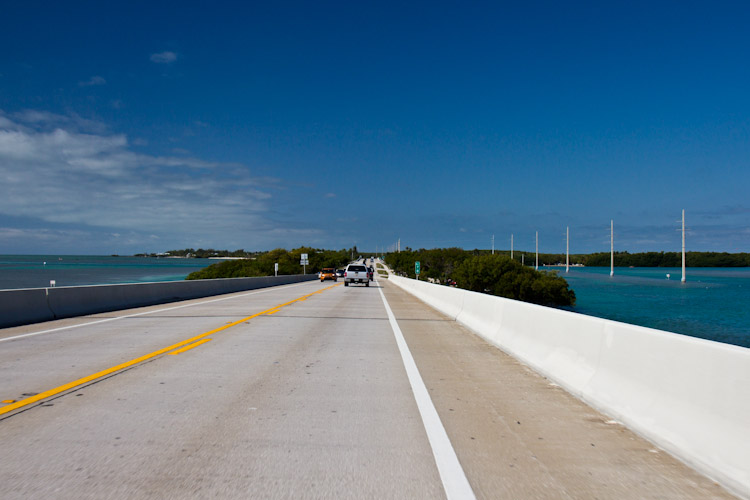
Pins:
x: 416, y: 269
x: 304, y: 261
x: 276, y: 269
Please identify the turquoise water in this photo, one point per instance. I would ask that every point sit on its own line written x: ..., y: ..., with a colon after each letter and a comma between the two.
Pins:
x: 711, y: 304
x: 36, y: 271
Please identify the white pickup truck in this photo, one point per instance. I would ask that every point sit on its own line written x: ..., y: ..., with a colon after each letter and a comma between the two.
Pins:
x: 356, y: 273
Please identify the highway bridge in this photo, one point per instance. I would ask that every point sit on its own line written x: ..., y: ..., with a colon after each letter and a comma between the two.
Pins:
x: 306, y: 390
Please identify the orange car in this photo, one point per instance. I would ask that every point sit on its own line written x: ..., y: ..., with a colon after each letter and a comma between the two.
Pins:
x: 328, y: 274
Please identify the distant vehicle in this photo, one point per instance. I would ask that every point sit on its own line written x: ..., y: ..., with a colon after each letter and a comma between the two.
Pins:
x: 356, y: 273
x: 328, y: 273
x: 339, y: 273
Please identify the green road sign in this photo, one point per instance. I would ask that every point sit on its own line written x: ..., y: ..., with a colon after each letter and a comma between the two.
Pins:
x: 416, y: 267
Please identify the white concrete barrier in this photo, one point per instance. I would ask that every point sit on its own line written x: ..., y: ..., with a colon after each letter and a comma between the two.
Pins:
x: 21, y: 307
x: 689, y: 396
x: 30, y: 304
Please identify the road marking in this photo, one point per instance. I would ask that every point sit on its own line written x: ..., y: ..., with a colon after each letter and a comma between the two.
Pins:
x: 452, y: 474
x: 188, y: 347
x: 127, y: 364
x: 269, y: 289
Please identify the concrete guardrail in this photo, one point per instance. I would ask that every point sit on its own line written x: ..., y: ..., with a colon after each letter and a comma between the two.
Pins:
x: 687, y: 395
x: 33, y: 305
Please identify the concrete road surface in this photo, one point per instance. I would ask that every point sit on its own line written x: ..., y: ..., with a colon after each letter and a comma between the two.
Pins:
x: 301, y: 391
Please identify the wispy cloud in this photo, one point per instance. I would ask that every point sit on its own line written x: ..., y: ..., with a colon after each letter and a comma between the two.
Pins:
x: 723, y: 211
x: 31, y: 119
x: 165, y: 57
x: 56, y: 173
x: 94, y: 80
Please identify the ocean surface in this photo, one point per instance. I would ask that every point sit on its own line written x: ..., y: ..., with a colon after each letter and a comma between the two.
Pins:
x: 712, y: 303
x: 36, y: 271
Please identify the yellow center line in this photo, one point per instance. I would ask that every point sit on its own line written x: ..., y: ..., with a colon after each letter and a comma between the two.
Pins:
x: 127, y: 364
x: 188, y: 347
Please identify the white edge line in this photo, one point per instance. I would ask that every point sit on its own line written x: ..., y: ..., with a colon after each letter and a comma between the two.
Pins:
x: 455, y: 483
x: 267, y: 289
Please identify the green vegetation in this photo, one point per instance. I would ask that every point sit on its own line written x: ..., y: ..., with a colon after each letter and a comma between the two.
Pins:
x: 201, y: 253
x: 263, y: 263
x: 622, y: 259
x: 480, y: 271
x: 501, y: 276
x: 437, y: 263
x: 669, y: 259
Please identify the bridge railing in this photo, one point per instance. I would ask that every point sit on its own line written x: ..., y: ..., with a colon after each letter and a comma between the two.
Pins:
x: 33, y: 305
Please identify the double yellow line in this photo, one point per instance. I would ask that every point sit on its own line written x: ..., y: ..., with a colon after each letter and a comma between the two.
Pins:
x: 175, y: 348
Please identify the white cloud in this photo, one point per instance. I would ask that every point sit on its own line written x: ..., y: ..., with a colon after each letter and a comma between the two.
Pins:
x: 165, y: 57
x: 29, y: 120
x: 57, y: 174
x: 94, y: 80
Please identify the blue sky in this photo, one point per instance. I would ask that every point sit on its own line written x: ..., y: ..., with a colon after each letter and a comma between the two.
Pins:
x: 147, y: 126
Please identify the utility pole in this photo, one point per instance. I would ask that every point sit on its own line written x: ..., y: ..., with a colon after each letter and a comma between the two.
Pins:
x: 399, y: 245
x: 567, y: 248
x: 612, y: 247
x: 536, y: 267
x: 511, y: 246
x: 683, y: 245
x: 493, y: 244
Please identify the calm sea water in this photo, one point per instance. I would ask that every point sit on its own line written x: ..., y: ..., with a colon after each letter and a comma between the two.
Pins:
x: 36, y: 271
x: 712, y: 303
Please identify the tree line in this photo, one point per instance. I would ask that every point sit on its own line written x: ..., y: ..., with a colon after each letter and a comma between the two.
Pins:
x: 201, y: 253
x: 262, y: 263
x: 622, y: 259
x: 480, y: 271
x: 669, y: 259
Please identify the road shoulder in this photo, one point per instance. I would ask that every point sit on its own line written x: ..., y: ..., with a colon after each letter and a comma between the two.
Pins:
x: 517, y: 435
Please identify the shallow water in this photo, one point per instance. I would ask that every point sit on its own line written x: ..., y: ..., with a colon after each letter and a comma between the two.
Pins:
x: 36, y: 271
x: 711, y: 304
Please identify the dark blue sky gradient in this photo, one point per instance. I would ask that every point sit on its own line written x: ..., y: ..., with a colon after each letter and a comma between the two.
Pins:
x: 454, y: 121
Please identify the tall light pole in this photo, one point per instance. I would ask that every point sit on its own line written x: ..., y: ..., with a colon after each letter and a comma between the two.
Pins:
x: 536, y: 266
x: 683, y: 246
x: 612, y: 247
x: 511, y: 246
x: 567, y: 248
x: 493, y: 244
